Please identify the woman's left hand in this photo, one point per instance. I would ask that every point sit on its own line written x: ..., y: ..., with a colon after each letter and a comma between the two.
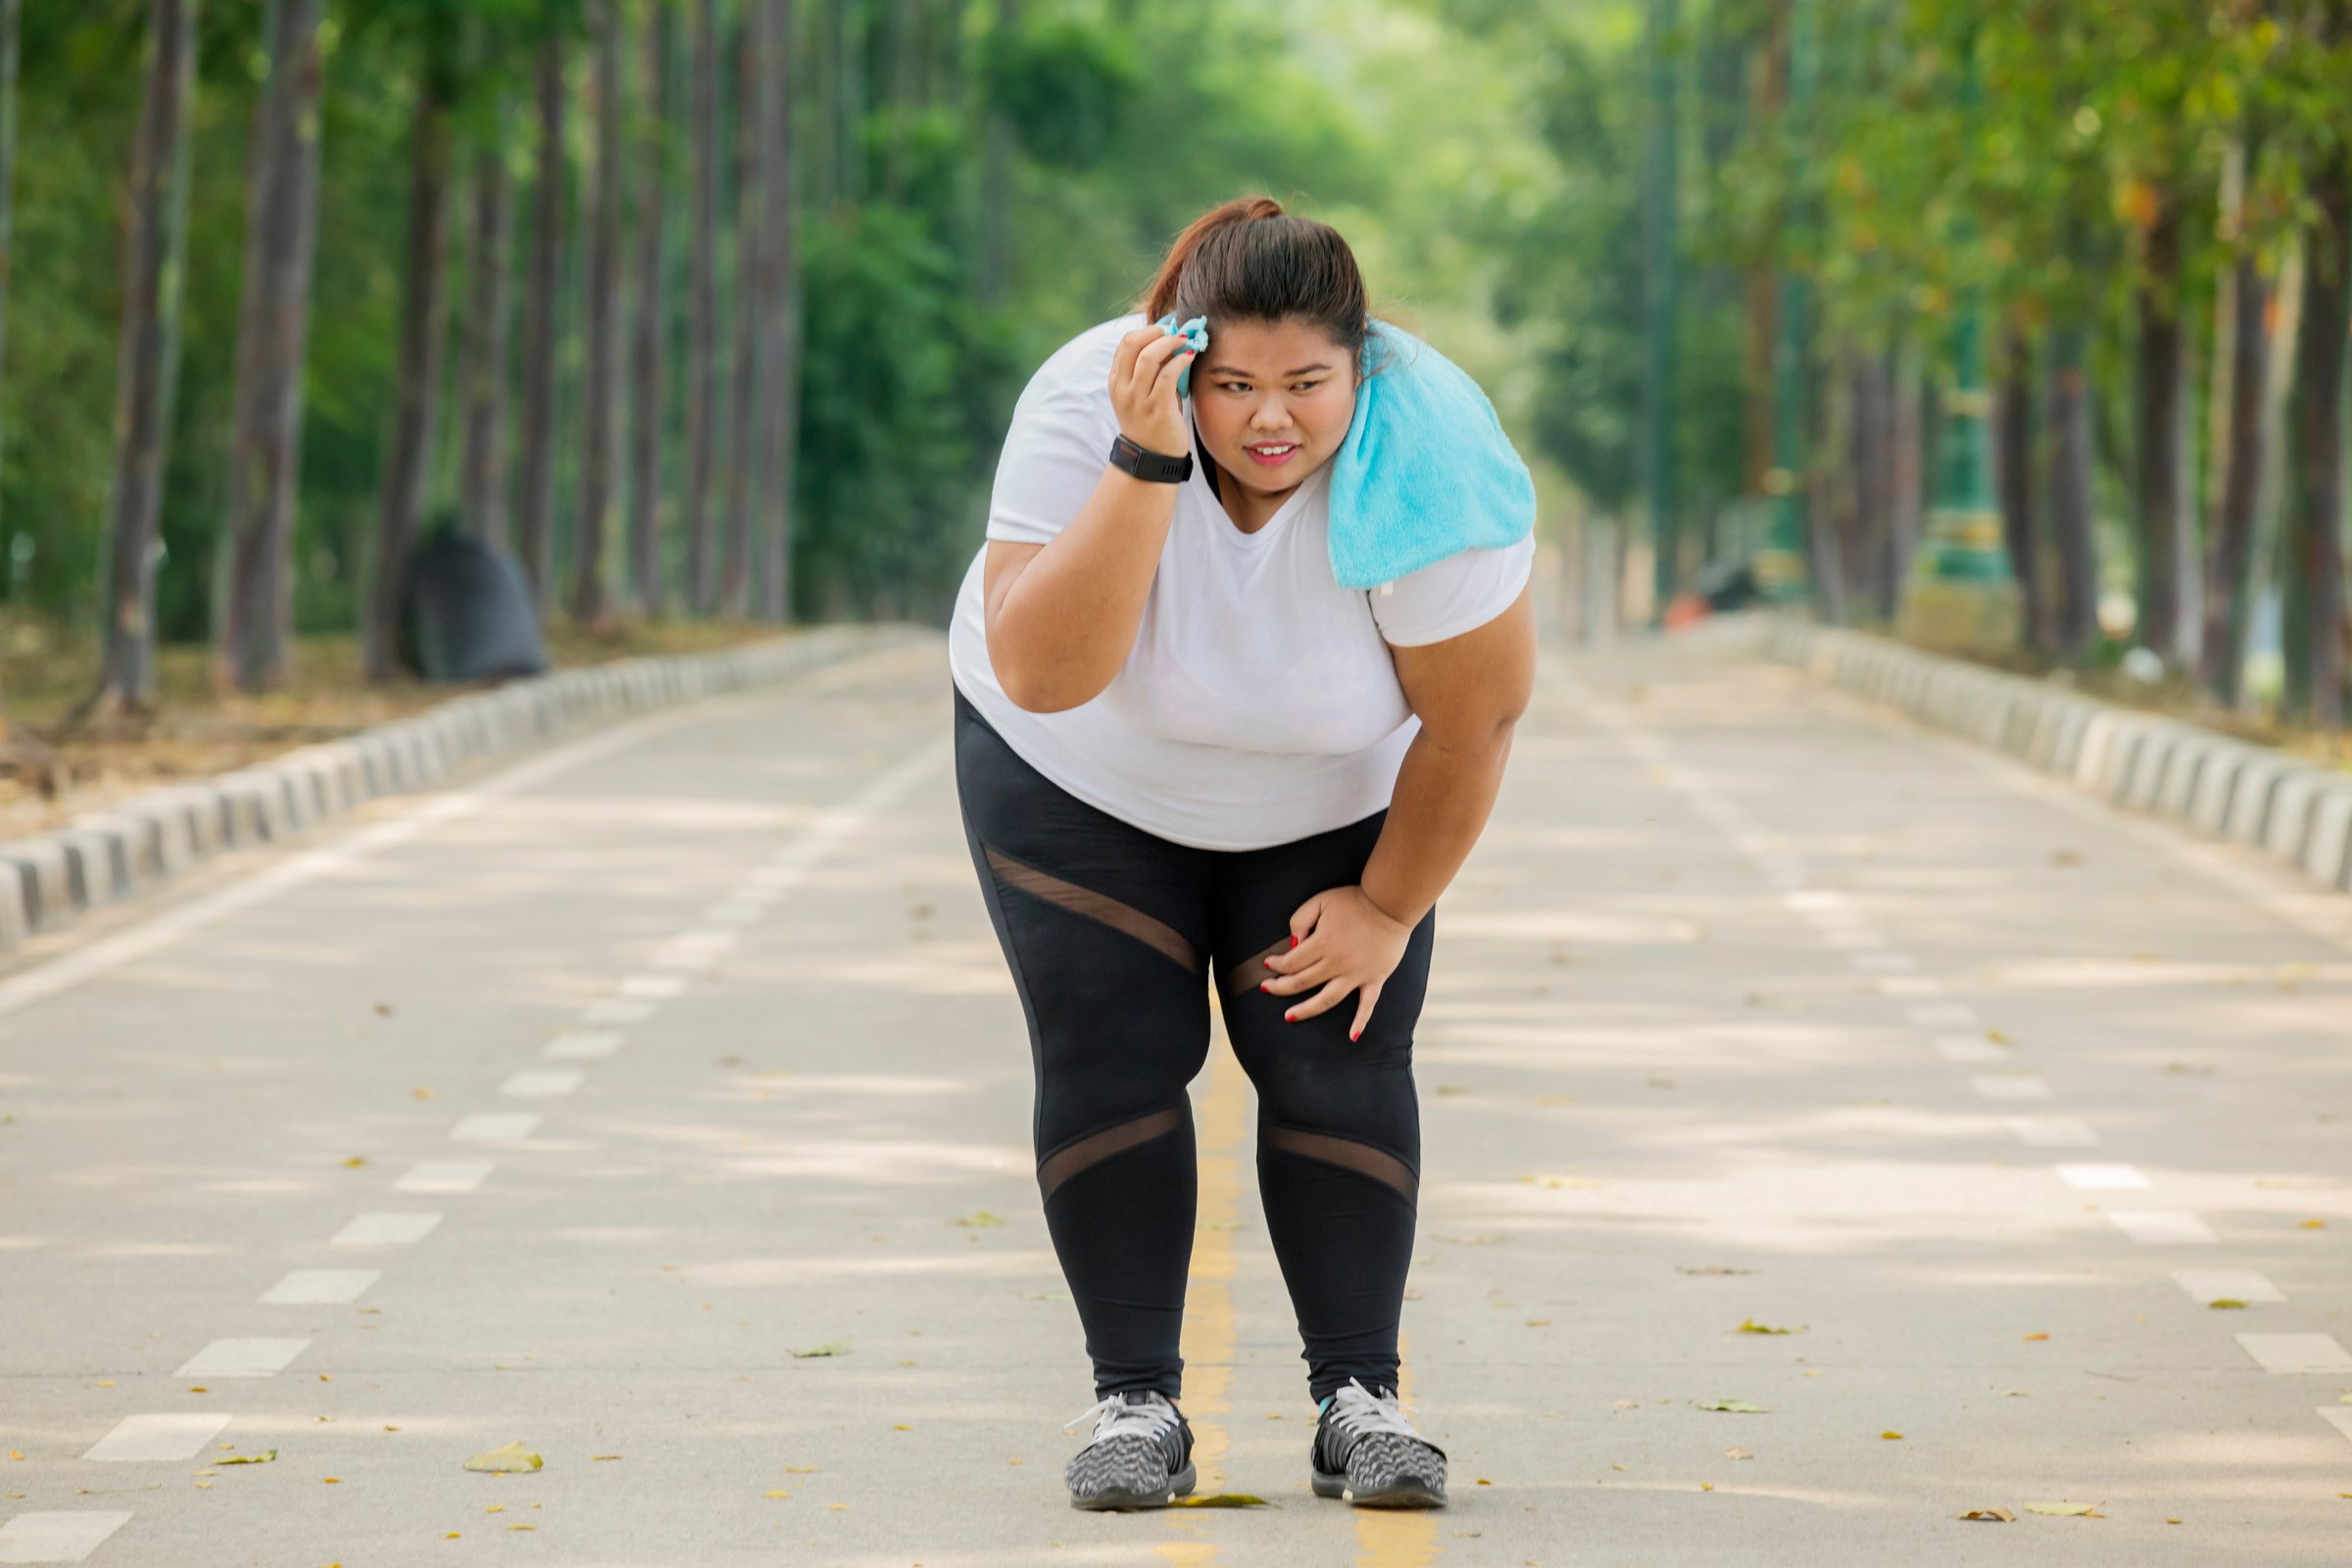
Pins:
x: 1343, y: 942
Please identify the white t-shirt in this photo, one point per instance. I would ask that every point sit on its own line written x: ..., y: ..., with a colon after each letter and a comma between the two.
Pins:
x: 1260, y: 703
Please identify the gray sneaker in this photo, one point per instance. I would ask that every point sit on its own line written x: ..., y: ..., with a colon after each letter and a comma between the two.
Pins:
x: 1141, y: 1455
x: 1367, y: 1452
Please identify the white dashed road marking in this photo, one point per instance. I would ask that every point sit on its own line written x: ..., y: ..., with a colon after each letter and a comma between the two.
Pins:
x: 2206, y: 1285
x: 495, y: 1127
x: 660, y: 987
x: 385, y: 1229
x: 2296, y: 1352
x: 2101, y: 1178
x: 138, y: 1438
x: 584, y: 1046
x: 1942, y: 1016
x: 542, y: 1083
x: 445, y: 1176
x: 242, y: 1358
x: 2053, y: 1132
x: 616, y: 1011
x: 1968, y: 1048
x: 57, y: 1536
x: 320, y: 1286
x: 2163, y: 1226
x: 2338, y: 1416
x: 2009, y: 1086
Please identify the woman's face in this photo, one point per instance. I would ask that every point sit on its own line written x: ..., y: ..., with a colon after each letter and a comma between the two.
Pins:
x: 1273, y: 400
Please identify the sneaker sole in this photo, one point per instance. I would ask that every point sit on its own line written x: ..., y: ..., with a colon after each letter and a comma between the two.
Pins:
x: 1406, y: 1493
x: 1180, y: 1485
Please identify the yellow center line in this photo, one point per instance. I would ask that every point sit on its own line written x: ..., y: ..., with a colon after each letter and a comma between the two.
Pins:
x: 1208, y: 1335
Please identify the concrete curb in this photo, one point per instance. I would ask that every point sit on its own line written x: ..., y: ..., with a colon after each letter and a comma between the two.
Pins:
x: 2211, y: 784
x: 107, y: 855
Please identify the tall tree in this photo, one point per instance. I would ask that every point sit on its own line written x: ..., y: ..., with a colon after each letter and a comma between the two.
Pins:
x: 645, y: 404
x: 735, y: 570
x: 995, y: 179
x: 779, y: 315
x: 2246, y: 455
x: 483, y: 483
x: 701, y: 354
x: 540, y: 322
x: 2318, y: 519
x: 253, y: 628
x: 423, y: 331
x: 599, y: 467
x: 2166, y: 451
x: 152, y: 277
x: 11, y: 19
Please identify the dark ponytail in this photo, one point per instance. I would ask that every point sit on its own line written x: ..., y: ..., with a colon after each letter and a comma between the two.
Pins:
x: 1250, y: 261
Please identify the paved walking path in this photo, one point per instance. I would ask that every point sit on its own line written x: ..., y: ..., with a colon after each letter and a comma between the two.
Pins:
x: 563, y: 1108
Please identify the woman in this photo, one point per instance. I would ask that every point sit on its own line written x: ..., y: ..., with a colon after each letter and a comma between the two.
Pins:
x: 1185, y: 754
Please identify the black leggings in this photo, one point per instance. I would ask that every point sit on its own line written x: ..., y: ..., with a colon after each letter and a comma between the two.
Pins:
x: 1111, y: 932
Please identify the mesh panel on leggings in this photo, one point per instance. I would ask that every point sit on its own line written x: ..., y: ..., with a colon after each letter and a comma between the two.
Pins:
x: 1382, y: 1166
x: 1066, y: 1162
x: 1152, y: 932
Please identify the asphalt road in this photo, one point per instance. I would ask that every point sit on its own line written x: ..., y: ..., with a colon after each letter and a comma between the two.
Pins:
x: 566, y: 1107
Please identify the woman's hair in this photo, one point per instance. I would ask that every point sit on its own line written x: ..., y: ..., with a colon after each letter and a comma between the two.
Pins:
x: 1251, y: 261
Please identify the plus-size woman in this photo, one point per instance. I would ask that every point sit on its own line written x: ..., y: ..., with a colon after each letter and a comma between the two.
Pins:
x: 1190, y: 761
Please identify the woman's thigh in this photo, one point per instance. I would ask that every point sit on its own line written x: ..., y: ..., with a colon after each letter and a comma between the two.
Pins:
x: 1309, y: 1072
x: 1106, y: 930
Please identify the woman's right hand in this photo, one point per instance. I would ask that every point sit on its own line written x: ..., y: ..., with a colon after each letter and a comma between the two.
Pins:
x: 1142, y: 390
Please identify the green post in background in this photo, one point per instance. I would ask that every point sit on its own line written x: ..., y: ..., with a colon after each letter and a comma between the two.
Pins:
x: 1662, y: 300
x: 1961, y: 591
x: 1781, y: 565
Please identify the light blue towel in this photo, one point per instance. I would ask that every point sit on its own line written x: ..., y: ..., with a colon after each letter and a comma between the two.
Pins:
x: 1426, y: 470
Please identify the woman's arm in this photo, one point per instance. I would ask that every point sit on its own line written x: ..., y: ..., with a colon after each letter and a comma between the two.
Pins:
x: 1468, y: 692
x: 1061, y: 616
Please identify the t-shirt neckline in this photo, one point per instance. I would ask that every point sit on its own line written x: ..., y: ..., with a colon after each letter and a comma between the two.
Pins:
x: 1255, y: 539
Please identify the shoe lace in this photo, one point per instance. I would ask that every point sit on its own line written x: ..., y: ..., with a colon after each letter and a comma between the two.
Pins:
x: 1356, y: 1411
x: 1126, y: 1415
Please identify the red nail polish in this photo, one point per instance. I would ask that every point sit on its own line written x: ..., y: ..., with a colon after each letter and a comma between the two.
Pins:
x: 1290, y: 1017
x: 1293, y: 942
x: 1262, y: 984
x: 1355, y: 1034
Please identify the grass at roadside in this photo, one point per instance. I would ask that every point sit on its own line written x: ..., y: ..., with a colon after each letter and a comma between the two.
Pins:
x: 46, y: 668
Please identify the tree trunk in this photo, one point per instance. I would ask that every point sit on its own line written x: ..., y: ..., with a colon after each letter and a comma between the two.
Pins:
x: 2227, y: 589
x: 2074, y: 535
x: 1906, y: 472
x: 482, y: 489
x: 906, y: 56
x: 1873, y: 459
x: 424, y: 322
x: 779, y: 315
x: 600, y: 466
x: 2319, y: 412
x: 151, y: 287
x: 2013, y: 476
x: 2166, y: 496
x: 995, y: 185
x: 646, y: 407
x: 11, y: 14
x: 702, y: 370
x: 253, y: 628
x: 735, y: 572
x: 540, y: 323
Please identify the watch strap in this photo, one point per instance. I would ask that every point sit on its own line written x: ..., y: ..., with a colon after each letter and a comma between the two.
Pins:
x: 1159, y: 467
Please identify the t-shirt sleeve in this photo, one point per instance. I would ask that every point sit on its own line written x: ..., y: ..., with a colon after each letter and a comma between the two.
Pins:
x: 1055, y: 454
x: 1449, y: 597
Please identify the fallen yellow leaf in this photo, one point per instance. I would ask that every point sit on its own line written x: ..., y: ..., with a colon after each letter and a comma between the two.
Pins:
x: 512, y: 1460
x: 1994, y: 1515
x: 2227, y: 1304
x: 2031, y: 1337
x: 1894, y: 1434
x: 1749, y: 1325
x: 2066, y: 1510
x: 1221, y: 1499
x: 775, y: 1493
x: 2315, y: 1225
x: 262, y: 1458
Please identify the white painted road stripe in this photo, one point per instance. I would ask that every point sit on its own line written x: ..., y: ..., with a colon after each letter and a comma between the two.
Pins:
x: 2052, y: 1132
x: 733, y: 912
x: 616, y: 1011
x: 320, y: 1286
x: 1971, y: 1048
x: 1915, y: 985
x: 495, y: 1127
x: 582, y: 1046
x: 2338, y: 1416
x: 141, y: 1438
x: 1943, y: 1015
x: 660, y: 987
x: 2206, y: 1285
x: 445, y: 1176
x: 2009, y: 1086
x: 542, y: 1083
x: 2296, y: 1352
x: 2163, y: 1226
x: 1881, y: 963
x: 57, y: 1536
x: 242, y: 1358
x: 385, y: 1229
x: 2101, y: 1178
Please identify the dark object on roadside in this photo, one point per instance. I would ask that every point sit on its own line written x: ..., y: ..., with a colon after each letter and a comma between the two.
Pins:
x: 466, y: 613
x: 1728, y: 585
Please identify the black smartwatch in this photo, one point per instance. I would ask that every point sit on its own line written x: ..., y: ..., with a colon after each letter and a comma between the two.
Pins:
x: 1146, y: 464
